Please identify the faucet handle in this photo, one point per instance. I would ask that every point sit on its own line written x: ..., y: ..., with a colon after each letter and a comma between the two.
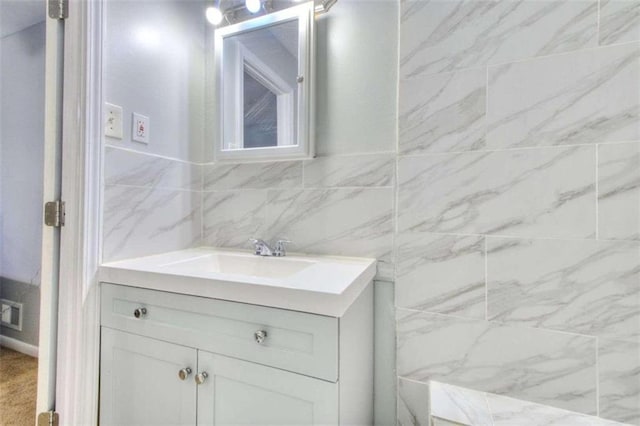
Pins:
x: 280, y: 249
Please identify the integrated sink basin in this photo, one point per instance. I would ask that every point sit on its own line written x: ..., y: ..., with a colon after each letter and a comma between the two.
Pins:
x: 241, y: 264
x: 325, y: 285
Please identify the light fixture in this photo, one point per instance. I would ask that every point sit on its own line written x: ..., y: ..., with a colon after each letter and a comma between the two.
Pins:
x: 214, y: 16
x: 253, y: 6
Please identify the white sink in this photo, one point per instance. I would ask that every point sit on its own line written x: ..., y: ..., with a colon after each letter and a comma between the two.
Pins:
x: 325, y: 285
x: 240, y: 264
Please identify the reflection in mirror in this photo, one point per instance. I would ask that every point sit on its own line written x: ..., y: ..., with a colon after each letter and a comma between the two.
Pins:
x: 261, y: 67
x: 264, y: 77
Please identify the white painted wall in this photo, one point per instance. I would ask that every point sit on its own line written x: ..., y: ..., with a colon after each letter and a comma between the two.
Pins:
x: 22, y: 115
x: 154, y: 65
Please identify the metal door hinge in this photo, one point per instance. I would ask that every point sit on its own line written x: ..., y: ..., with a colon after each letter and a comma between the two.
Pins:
x: 48, y: 418
x: 58, y: 9
x: 54, y: 213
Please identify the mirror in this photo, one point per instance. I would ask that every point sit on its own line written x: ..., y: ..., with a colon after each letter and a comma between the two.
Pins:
x: 264, y: 79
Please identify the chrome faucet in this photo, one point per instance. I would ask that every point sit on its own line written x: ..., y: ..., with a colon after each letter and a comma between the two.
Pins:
x: 262, y: 248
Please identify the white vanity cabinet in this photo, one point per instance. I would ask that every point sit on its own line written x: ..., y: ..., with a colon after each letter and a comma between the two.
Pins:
x: 170, y: 358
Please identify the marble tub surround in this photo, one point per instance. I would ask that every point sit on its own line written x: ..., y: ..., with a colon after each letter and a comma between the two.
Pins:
x: 619, y: 380
x: 443, y: 113
x: 619, y: 21
x: 441, y: 36
x: 516, y: 192
x: 462, y: 406
x: 548, y: 367
x: 586, y: 287
x: 575, y: 98
x: 441, y: 273
x: 619, y: 191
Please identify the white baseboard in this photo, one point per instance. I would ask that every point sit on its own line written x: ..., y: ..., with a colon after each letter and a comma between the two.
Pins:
x: 19, y: 346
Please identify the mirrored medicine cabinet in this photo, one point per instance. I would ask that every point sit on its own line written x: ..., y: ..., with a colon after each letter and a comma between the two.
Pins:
x: 264, y: 87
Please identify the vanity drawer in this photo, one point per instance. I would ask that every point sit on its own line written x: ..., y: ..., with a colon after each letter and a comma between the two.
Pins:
x: 295, y: 341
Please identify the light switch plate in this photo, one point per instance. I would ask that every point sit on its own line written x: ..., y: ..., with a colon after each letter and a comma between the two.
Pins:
x: 113, y: 121
x: 140, y: 128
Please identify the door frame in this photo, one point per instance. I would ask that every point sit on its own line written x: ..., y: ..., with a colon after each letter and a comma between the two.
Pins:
x: 78, y: 338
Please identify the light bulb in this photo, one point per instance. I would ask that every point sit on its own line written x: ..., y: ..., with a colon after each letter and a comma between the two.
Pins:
x: 253, y: 6
x: 214, y: 16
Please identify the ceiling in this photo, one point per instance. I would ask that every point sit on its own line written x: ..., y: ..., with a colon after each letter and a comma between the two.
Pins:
x: 16, y: 15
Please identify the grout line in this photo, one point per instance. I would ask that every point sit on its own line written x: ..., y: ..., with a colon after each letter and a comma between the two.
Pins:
x: 597, y: 377
x: 150, y: 154
x: 486, y: 280
x: 597, y: 192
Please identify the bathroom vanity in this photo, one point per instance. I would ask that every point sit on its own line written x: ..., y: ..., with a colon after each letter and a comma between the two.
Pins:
x: 189, y: 338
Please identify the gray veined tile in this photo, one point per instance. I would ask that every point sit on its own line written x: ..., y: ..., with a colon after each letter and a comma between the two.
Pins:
x: 413, y: 403
x: 364, y: 170
x: 619, y: 380
x: 619, y: 191
x: 459, y: 405
x: 125, y: 167
x: 144, y: 221
x: 586, y: 287
x: 441, y: 273
x: 547, y: 367
x: 231, y: 218
x: 519, y: 192
x: 619, y: 21
x: 439, y: 36
x: 579, y: 98
x: 443, y: 113
x: 280, y: 174
x: 350, y: 222
x: 510, y: 412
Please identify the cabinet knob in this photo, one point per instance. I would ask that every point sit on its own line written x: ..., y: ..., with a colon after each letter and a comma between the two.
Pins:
x: 140, y: 312
x: 184, y: 373
x: 201, y: 377
x: 260, y: 336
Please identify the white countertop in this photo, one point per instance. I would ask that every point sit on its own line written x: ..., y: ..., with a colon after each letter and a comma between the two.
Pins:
x: 325, y: 285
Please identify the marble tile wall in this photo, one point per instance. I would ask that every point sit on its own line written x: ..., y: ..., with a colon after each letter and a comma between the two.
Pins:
x: 151, y: 204
x: 518, y: 207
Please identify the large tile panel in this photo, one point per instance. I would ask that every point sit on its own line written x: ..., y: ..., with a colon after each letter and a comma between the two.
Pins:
x: 551, y: 368
x: 441, y: 273
x: 231, y: 218
x: 413, y: 403
x: 126, y: 167
x: 361, y: 170
x: 351, y: 222
x: 586, y: 287
x: 443, y: 113
x: 619, y: 21
x: 619, y: 380
x: 144, y: 221
x: 280, y: 174
x: 519, y: 192
x: 578, y: 98
x: 445, y: 35
x: 619, y: 191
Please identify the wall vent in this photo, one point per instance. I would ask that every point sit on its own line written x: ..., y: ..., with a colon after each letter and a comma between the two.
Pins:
x: 11, y: 314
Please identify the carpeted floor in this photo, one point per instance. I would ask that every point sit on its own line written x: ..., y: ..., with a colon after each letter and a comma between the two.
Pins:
x: 18, y: 382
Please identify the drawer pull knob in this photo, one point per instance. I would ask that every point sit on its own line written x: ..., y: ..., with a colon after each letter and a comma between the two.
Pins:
x: 201, y: 377
x: 184, y: 373
x: 260, y: 336
x: 140, y: 312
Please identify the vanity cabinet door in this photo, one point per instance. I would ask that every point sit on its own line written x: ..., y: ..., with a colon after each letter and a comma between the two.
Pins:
x: 237, y: 392
x: 140, y: 384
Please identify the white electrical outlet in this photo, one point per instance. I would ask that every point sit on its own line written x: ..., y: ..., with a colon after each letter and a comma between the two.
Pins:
x: 113, y: 121
x: 140, y: 128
